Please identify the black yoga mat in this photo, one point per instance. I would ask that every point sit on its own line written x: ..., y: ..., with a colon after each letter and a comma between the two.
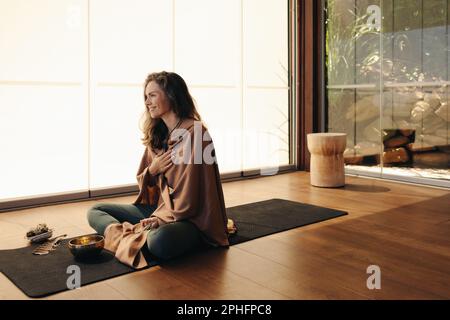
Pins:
x: 39, y: 276
x: 259, y: 219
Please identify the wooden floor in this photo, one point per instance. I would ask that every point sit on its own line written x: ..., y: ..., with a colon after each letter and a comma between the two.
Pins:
x: 404, y: 229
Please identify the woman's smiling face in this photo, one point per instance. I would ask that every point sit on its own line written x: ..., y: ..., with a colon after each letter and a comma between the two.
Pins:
x: 156, y: 100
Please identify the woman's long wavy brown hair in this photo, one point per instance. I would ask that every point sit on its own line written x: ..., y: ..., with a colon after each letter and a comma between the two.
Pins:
x: 155, y: 130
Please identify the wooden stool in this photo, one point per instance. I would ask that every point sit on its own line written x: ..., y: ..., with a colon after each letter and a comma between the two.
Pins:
x: 327, y: 158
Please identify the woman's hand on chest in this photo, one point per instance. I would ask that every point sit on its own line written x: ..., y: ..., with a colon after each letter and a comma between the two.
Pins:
x: 161, y: 163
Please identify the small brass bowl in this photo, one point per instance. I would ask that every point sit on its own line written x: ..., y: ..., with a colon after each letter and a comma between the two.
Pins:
x: 86, y: 247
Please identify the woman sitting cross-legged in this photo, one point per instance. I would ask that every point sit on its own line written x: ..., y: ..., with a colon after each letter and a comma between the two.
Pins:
x: 180, y: 199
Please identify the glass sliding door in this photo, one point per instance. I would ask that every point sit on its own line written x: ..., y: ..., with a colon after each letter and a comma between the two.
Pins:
x: 400, y: 54
x: 353, y: 90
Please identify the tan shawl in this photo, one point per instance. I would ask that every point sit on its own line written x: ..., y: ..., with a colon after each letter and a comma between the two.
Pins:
x: 126, y: 241
x: 187, y: 191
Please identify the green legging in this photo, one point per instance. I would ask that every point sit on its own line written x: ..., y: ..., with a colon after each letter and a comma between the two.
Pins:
x: 165, y: 242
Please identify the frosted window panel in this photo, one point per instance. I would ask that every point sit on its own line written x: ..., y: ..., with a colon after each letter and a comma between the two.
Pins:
x: 266, y: 128
x: 116, y: 148
x: 221, y: 112
x: 42, y: 40
x: 130, y: 39
x: 207, y: 41
x: 43, y: 140
x: 265, y: 42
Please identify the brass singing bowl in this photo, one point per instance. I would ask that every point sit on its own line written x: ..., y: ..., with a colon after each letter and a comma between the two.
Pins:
x: 87, y: 246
